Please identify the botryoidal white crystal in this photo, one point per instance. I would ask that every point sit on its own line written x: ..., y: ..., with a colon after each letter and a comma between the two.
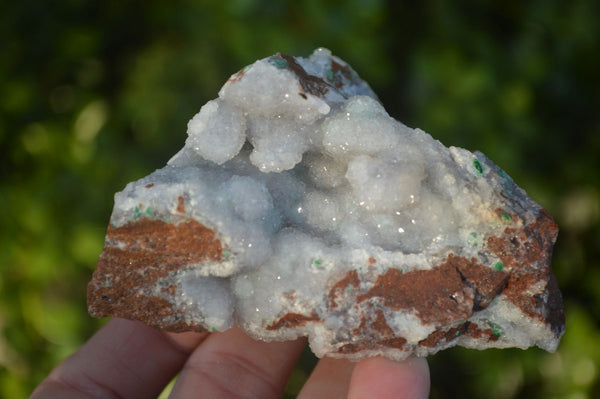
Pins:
x: 331, y: 220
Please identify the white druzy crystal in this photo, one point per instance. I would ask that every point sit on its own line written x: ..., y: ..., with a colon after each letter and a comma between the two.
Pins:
x: 327, y: 211
x: 217, y: 132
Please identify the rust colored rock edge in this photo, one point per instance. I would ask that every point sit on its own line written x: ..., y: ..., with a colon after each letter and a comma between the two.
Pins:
x: 134, y: 278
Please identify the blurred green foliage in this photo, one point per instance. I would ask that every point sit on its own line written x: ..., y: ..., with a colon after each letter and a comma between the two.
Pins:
x: 95, y: 94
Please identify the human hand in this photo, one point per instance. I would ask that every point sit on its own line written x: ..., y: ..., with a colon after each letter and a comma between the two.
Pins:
x: 127, y: 359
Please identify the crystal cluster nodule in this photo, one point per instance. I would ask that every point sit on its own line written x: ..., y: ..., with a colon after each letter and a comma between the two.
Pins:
x: 299, y: 207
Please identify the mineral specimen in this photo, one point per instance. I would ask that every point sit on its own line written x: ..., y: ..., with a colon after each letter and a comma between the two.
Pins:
x: 298, y: 207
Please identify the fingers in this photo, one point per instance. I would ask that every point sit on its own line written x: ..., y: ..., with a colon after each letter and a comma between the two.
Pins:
x: 371, y: 378
x: 383, y: 378
x: 329, y: 380
x: 125, y: 359
x: 232, y: 365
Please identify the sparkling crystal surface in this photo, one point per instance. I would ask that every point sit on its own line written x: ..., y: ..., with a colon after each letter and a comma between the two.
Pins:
x: 299, y: 207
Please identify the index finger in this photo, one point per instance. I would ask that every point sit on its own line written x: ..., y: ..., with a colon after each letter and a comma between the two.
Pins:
x: 124, y: 359
x: 383, y: 378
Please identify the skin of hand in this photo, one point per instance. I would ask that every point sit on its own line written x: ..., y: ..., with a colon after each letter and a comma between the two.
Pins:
x: 126, y: 359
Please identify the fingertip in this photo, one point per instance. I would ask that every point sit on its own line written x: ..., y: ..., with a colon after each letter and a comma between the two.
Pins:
x: 232, y: 364
x: 384, y: 378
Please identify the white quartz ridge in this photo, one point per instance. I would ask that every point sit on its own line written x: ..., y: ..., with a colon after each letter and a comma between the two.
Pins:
x: 302, y: 184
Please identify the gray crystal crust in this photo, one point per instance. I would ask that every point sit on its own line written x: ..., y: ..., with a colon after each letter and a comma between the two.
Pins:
x: 299, y: 207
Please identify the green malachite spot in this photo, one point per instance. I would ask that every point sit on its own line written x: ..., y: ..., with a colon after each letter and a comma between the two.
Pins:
x: 506, y: 216
x: 496, y: 329
x: 456, y: 334
x: 498, y: 266
x: 507, y: 184
x: 472, y: 240
x: 138, y: 211
x: 329, y: 75
x: 213, y: 329
x: 279, y: 63
x: 317, y: 262
x: 507, y: 179
x: 477, y: 166
x: 226, y: 254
